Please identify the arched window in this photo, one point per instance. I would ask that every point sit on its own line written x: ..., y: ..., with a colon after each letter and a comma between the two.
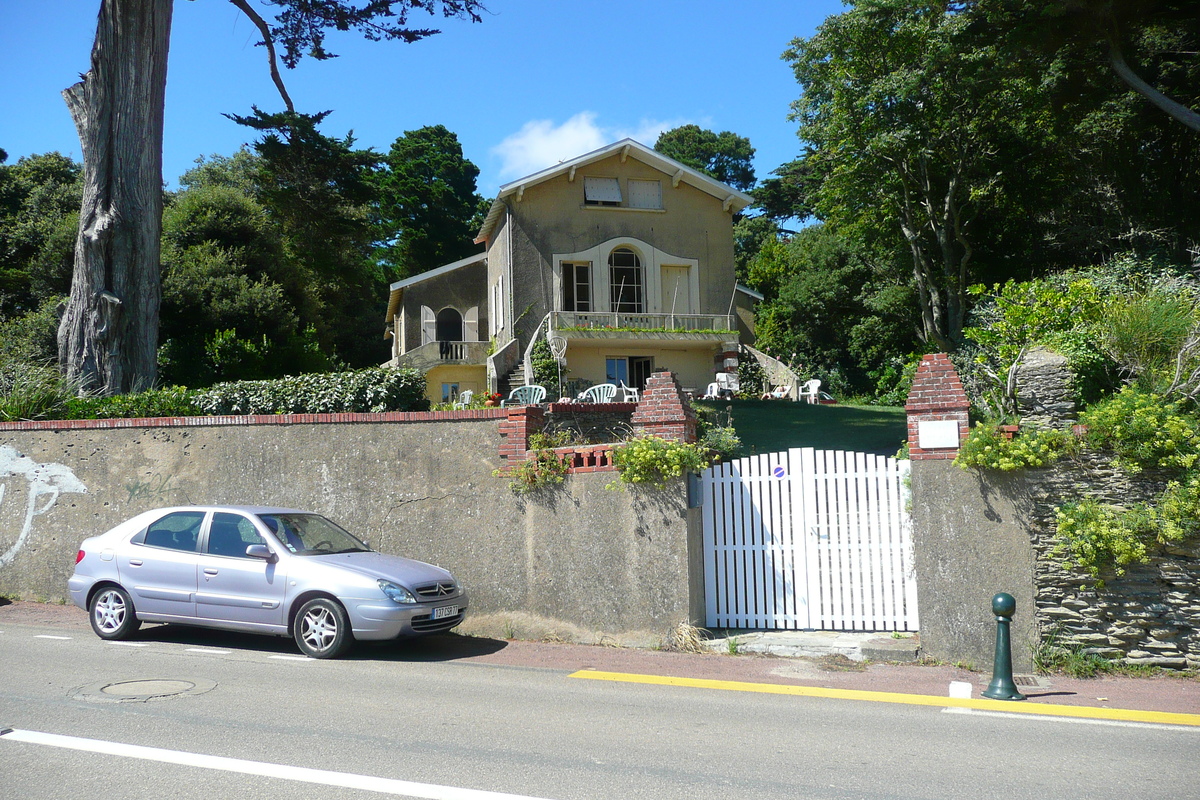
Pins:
x: 625, y: 281
x: 449, y: 325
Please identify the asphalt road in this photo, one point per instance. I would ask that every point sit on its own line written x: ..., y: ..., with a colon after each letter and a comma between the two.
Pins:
x: 442, y: 718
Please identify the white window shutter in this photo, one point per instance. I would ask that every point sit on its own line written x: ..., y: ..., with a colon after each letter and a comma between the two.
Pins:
x: 471, y: 325
x: 428, y: 325
x: 602, y: 190
x: 645, y: 194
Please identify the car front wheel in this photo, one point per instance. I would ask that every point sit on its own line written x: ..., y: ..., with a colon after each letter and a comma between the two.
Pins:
x: 112, y: 614
x: 322, y: 629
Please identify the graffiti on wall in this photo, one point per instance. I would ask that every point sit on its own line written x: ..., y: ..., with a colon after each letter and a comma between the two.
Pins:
x: 46, y: 483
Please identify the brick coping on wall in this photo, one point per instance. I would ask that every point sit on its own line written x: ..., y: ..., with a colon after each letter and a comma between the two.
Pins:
x: 256, y: 419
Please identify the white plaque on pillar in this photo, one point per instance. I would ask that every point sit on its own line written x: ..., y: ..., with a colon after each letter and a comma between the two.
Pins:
x: 933, y: 434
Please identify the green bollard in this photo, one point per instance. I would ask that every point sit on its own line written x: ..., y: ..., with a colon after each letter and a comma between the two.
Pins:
x: 1002, y: 686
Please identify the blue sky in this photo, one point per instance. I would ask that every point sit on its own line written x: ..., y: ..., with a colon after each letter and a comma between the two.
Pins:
x: 538, y: 81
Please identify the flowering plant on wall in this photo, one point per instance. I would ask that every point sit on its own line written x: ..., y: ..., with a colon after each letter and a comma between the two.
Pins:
x: 491, y: 398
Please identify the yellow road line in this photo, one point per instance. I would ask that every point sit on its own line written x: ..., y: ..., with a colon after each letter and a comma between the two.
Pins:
x: 1085, y: 712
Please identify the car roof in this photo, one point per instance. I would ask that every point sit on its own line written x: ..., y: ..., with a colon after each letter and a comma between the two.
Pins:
x: 243, y: 509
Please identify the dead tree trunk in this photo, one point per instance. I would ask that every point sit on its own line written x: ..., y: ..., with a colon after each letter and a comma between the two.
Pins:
x: 108, y: 337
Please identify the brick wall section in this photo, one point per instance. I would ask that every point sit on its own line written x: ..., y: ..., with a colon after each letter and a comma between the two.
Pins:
x: 664, y: 410
x: 936, y: 395
x: 521, y: 423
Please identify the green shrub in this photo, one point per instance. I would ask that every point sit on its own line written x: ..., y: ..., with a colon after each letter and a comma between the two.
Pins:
x: 986, y: 447
x: 649, y: 459
x: 173, y: 401
x: 1102, y: 538
x: 1143, y: 430
x: 366, y: 390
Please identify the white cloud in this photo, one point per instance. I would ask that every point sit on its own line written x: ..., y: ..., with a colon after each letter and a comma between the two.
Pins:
x: 541, y: 144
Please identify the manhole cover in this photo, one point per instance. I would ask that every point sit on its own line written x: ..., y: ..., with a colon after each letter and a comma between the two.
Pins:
x: 141, y: 691
x: 1031, y: 680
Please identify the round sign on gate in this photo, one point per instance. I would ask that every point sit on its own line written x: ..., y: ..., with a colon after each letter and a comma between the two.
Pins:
x: 779, y: 472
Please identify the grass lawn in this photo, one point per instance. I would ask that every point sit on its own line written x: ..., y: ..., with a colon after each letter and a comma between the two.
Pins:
x: 766, y: 426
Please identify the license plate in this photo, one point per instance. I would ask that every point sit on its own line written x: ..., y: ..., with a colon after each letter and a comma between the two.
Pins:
x: 445, y: 611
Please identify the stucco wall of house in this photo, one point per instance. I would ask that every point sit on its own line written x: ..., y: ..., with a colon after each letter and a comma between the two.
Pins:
x: 694, y: 367
x: 461, y: 289
x: 691, y: 225
x: 578, y: 557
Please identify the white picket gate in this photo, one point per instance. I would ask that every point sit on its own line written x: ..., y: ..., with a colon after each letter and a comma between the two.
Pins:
x: 809, y: 539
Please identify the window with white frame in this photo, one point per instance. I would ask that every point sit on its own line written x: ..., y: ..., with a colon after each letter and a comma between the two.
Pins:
x: 645, y: 194
x: 576, y: 286
x: 601, y: 192
x: 625, y: 282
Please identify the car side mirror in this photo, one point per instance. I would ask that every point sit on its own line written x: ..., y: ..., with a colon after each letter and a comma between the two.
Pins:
x: 260, y: 551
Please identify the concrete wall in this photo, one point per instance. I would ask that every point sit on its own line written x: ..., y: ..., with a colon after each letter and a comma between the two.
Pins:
x: 970, y: 542
x: 578, y: 558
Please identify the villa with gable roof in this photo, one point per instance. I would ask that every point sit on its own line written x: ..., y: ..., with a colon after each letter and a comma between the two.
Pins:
x: 622, y: 258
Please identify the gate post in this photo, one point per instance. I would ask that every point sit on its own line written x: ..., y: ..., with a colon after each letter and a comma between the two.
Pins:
x: 937, y: 410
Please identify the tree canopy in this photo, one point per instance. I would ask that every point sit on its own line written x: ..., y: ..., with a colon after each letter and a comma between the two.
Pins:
x: 109, y: 332
x: 725, y: 156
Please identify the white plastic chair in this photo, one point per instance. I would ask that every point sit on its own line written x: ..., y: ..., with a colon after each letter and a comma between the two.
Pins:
x: 811, y: 391
x: 600, y: 393
x: 528, y: 395
x: 464, y: 398
x: 728, y: 382
x: 628, y: 393
x: 713, y: 392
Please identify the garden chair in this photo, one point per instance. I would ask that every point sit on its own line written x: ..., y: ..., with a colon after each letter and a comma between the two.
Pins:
x: 778, y: 393
x: 628, y: 393
x: 600, y: 393
x: 713, y: 392
x: 528, y: 395
x: 464, y: 399
x: 811, y: 391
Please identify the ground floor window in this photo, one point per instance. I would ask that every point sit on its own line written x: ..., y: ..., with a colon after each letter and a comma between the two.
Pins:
x: 449, y: 392
x: 632, y: 371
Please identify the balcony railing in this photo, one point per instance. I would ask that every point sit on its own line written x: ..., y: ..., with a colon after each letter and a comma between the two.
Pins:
x: 618, y: 321
x: 434, y: 353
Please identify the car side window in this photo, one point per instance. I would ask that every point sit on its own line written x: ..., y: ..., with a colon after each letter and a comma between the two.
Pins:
x: 179, y: 530
x: 231, y: 534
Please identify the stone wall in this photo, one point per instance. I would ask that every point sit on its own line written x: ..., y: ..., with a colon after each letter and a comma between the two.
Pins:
x: 977, y: 532
x: 580, y: 560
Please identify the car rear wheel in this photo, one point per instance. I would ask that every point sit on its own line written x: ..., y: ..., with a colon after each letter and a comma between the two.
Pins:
x: 112, y: 614
x: 322, y: 629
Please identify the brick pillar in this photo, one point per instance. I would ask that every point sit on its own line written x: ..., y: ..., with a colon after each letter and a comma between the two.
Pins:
x: 664, y: 410
x: 937, y: 410
x: 522, y: 422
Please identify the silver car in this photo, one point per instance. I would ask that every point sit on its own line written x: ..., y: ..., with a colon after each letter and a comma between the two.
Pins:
x: 262, y: 570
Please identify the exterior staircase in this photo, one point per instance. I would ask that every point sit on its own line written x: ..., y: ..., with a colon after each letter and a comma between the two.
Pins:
x: 510, y: 381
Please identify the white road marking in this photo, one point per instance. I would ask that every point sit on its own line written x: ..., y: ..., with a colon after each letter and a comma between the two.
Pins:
x: 1078, y: 720
x: 47, y: 636
x: 130, y: 644
x: 426, y: 791
x: 209, y: 651
x: 291, y: 658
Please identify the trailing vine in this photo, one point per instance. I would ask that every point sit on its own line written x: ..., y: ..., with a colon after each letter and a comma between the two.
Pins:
x: 544, y: 467
x: 987, y: 447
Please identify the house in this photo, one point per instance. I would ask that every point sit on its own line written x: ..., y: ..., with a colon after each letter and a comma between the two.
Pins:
x: 621, y: 258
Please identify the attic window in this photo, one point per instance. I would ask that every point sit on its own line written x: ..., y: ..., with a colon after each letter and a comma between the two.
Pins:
x: 601, y: 192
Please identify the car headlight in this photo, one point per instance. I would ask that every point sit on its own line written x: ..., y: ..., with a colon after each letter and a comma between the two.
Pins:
x: 397, y: 594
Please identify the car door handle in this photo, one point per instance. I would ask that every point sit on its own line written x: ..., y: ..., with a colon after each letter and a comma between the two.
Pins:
x: 210, y: 571
x: 135, y: 562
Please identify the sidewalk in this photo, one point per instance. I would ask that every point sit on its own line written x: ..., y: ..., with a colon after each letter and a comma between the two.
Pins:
x: 819, y: 664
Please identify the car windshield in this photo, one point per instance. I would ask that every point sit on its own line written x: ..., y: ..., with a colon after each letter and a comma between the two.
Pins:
x: 311, y: 534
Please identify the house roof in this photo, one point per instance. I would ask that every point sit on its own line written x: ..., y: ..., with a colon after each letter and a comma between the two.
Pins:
x: 397, y: 288
x: 748, y: 291
x: 627, y: 148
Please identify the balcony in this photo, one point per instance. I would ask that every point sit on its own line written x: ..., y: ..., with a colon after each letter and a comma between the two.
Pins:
x: 434, y: 354
x: 611, y: 325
